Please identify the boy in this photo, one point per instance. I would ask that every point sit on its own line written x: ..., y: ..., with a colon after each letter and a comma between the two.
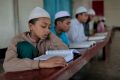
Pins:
x: 28, y: 45
x: 62, y: 25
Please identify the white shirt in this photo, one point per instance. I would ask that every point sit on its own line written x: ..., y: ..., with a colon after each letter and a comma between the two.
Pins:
x: 91, y: 25
x: 76, y: 33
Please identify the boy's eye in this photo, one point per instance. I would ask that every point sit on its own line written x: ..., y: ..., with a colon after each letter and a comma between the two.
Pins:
x: 68, y: 23
x: 43, y: 26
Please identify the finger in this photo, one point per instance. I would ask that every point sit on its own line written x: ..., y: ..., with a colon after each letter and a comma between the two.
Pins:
x: 61, y: 59
x: 61, y: 63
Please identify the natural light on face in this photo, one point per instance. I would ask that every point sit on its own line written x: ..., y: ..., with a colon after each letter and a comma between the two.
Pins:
x: 42, y: 28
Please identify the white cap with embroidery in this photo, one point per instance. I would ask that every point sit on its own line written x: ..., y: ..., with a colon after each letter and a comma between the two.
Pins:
x: 91, y: 12
x: 38, y: 12
x: 61, y: 14
x: 81, y: 9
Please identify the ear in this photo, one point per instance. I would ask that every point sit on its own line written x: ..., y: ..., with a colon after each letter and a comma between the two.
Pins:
x: 31, y: 26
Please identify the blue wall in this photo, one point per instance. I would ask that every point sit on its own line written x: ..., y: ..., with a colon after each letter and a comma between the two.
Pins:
x: 53, y: 6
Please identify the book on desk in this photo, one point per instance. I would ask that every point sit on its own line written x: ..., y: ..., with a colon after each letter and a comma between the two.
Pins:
x: 68, y: 55
x: 92, y: 40
x: 98, y: 36
x: 101, y: 34
x: 84, y: 44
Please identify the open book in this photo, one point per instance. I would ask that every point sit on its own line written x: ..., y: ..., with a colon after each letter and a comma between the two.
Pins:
x: 67, y: 54
x: 101, y: 34
x: 85, y: 44
x: 95, y: 38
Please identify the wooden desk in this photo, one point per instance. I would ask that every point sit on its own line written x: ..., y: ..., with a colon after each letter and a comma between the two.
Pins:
x: 60, y: 73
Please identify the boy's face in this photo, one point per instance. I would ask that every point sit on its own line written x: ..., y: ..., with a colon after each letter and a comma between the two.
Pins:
x: 91, y: 17
x: 41, y: 29
x: 83, y: 17
x: 65, y: 25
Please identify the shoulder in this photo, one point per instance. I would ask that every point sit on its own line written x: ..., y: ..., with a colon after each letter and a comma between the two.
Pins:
x: 74, y: 21
x: 63, y: 35
x: 56, y: 42
x: 18, y: 38
x: 53, y: 36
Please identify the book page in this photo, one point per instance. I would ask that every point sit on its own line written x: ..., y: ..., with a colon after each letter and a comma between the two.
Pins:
x: 60, y: 52
x: 101, y: 34
x: 66, y: 54
x: 85, y: 44
x: 96, y: 38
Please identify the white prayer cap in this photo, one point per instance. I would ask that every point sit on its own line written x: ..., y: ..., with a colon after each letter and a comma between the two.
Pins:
x: 61, y: 14
x: 38, y: 12
x: 81, y: 9
x: 102, y: 18
x: 91, y: 12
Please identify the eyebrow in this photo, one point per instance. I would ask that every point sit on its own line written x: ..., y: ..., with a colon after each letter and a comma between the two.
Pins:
x: 45, y: 23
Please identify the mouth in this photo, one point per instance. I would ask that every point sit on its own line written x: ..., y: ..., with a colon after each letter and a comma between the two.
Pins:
x: 46, y: 36
x: 66, y: 30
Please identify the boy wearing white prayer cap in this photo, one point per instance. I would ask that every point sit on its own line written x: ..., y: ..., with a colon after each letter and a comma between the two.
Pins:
x: 28, y: 45
x: 101, y: 27
x: 76, y: 33
x: 89, y: 25
x: 62, y: 25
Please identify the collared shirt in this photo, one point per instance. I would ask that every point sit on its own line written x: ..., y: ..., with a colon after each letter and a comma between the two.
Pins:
x: 76, y: 33
x: 63, y: 36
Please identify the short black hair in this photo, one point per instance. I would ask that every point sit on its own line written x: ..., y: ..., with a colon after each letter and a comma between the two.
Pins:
x: 33, y: 21
x: 61, y: 19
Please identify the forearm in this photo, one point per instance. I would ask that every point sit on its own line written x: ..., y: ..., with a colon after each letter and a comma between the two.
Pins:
x: 20, y: 65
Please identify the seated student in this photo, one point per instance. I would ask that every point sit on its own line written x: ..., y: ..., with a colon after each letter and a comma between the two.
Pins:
x: 62, y: 25
x: 76, y: 33
x: 29, y: 45
x: 89, y: 25
x: 101, y: 27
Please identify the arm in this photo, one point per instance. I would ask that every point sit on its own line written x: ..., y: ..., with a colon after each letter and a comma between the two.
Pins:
x: 12, y: 63
x: 56, y: 43
x: 53, y: 62
x: 73, y: 33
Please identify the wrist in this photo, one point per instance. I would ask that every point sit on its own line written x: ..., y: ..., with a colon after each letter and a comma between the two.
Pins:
x: 42, y: 64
